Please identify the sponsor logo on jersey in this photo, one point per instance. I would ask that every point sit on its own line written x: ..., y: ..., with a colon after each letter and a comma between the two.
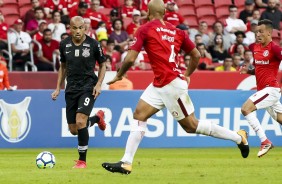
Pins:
x: 85, y: 52
x: 173, y: 32
x: 68, y: 45
x: 265, y: 53
x: 262, y: 62
x: 15, y: 120
x: 86, y: 45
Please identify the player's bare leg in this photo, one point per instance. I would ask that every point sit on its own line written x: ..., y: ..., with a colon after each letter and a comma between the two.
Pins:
x: 192, y: 125
x: 248, y: 109
x: 142, y: 112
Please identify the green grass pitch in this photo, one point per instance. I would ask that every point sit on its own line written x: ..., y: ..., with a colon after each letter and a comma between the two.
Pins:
x: 163, y: 166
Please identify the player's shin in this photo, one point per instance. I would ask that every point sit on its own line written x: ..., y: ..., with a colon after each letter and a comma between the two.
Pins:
x: 206, y: 127
x: 83, y: 138
x: 255, y: 124
x: 137, y: 132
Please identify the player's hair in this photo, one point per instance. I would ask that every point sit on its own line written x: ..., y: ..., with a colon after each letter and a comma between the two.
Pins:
x: 198, y: 35
x: 200, y: 44
x: 56, y: 11
x: 46, y: 30
x: 114, y: 23
x: 247, y: 51
x: 232, y: 6
x: 266, y: 22
x: 156, y: 7
x: 38, y: 8
x: 64, y: 34
x: 236, y: 54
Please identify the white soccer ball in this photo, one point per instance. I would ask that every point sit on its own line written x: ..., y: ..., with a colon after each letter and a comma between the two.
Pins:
x: 45, y: 160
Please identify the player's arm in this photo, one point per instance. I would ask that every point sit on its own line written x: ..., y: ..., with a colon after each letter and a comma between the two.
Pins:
x: 61, y: 78
x: 127, y: 63
x: 194, y: 61
x: 61, y: 74
x: 101, y: 75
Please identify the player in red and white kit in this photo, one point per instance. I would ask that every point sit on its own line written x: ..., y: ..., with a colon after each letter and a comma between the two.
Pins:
x: 162, y: 41
x: 267, y: 57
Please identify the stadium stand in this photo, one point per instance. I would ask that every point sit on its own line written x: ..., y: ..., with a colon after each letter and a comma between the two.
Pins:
x: 192, y: 21
x: 276, y: 36
x: 203, y: 3
x: 126, y: 21
x: 10, y: 2
x: 182, y: 3
x: 239, y: 3
x: 106, y: 11
x: 193, y: 11
x: 186, y: 10
x: 222, y: 12
x: 221, y: 3
x: 23, y: 9
x: 24, y: 3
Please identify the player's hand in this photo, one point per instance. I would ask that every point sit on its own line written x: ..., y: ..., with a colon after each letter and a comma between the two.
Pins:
x: 55, y: 94
x: 114, y: 80
x: 96, y: 90
x: 243, y: 69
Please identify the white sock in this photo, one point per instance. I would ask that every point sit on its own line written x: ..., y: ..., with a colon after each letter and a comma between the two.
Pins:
x: 255, y: 124
x: 206, y: 127
x: 135, y: 137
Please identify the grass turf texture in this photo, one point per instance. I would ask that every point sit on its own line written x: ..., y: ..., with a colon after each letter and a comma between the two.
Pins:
x: 164, y: 166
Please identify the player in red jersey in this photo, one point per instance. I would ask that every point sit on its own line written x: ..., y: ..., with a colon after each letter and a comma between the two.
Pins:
x: 267, y: 57
x: 162, y: 41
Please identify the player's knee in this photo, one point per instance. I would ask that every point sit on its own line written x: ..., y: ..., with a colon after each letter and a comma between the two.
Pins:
x: 245, y: 111
x: 139, y: 116
x: 80, y: 124
x: 73, y: 131
x: 189, y: 124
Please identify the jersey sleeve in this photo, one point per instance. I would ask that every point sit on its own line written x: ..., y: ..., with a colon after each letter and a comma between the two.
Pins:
x: 62, y: 53
x: 187, y: 45
x: 138, y: 40
x: 99, y: 54
x: 277, y: 51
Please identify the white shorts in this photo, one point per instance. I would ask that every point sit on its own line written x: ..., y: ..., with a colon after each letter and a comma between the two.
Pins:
x: 174, y: 96
x: 267, y: 97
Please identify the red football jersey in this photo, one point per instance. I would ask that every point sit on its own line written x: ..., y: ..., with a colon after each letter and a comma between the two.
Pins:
x: 266, y: 61
x: 162, y: 44
x: 128, y: 10
x: 3, y: 31
x: 174, y: 18
x: 55, y: 6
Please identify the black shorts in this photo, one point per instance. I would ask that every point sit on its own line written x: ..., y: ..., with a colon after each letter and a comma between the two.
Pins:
x: 82, y: 102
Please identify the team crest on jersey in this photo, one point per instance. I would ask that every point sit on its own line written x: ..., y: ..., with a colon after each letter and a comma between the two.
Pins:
x: 265, y: 53
x: 85, y: 52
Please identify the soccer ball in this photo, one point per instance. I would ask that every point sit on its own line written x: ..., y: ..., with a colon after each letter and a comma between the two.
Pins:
x: 45, y: 160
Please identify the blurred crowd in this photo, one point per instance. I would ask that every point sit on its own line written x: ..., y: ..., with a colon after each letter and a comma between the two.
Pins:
x: 223, y: 44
